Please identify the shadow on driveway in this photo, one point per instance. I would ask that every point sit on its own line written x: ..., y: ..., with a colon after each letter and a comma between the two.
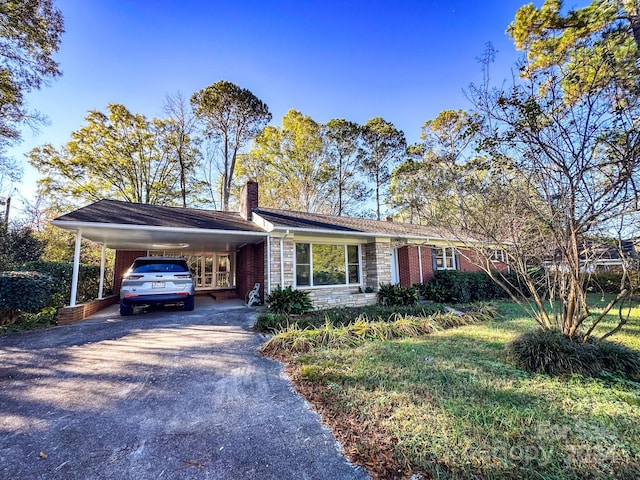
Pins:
x: 164, y: 394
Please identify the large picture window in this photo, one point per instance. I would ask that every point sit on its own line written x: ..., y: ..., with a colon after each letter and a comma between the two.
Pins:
x: 323, y: 264
x: 444, y: 258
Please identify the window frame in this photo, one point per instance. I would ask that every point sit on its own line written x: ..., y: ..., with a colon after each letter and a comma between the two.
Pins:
x: 310, y: 265
x: 498, y: 255
x: 441, y: 253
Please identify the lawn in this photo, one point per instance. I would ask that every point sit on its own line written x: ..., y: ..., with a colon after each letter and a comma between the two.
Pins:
x: 448, y: 405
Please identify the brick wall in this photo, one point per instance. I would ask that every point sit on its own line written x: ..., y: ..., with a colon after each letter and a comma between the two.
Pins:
x: 123, y: 260
x: 469, y: 261
x: 69, y: 315
x: 409, y: 264
x: 250, y: 268
x: 427, y: 262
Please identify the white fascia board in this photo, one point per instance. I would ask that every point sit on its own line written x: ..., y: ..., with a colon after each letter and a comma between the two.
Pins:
x: 262, y: 223
x: 352, y: 233
x: 74, y: 226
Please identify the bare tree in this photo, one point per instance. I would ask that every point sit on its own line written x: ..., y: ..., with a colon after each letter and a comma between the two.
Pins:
x: 183, y: 123
x: 564, y: 168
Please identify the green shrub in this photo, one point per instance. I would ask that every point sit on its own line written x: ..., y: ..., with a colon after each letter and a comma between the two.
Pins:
x: 390, y: 294
x: 289, y: 301
x: 552, y: 352
x: 22, y: 292
x: 61, y: 273
x: 453, y: 286
x: 609, y: 282
x: 272, y: 322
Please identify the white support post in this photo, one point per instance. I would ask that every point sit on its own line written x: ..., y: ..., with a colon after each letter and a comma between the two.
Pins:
x: 102, y: 262
x: 76, y: 269
x: 420, y: 263
x: 268, y: 264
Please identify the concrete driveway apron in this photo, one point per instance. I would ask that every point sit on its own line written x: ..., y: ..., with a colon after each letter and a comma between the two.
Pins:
x: 165, y: 394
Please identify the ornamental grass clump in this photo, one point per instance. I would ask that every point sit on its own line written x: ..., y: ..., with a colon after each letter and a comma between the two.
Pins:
x: 294, y: 339
x: 553, y: 353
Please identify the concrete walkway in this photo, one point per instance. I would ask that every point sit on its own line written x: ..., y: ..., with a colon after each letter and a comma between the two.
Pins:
x: 159, y: 395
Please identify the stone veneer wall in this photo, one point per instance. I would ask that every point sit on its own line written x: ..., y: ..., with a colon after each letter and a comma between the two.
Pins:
x: 377, y: 264
x: 289, y: 253
x: 331, y: 297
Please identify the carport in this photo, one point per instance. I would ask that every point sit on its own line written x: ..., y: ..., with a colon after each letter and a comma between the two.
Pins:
x: 226, y: 249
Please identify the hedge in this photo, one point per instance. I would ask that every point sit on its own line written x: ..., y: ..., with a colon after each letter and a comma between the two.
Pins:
x: 453, y: 286
x: 61, y: 273
x: 20, y: 292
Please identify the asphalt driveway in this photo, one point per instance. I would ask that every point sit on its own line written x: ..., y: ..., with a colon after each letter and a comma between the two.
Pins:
x: 166, y: 394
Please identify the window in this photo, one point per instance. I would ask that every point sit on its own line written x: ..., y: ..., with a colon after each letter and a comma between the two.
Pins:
x: 498, y: 256
x: 325, y: 264
x: 444, y: 258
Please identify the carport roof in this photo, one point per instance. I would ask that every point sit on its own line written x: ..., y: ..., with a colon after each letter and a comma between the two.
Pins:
x: 137, y: 226
x: 126, y: 213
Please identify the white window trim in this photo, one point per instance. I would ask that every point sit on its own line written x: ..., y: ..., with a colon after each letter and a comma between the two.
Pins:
x: 498, y: 258
x: 441, y: 252
x: 346, y: 264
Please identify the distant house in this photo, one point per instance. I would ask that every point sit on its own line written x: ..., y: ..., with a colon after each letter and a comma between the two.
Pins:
x: 332, y: 257
x: 598, y: 257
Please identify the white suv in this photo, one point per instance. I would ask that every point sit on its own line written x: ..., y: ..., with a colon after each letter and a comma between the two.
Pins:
x: 157, y: 281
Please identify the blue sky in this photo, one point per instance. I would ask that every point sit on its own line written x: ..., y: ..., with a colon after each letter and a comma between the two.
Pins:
x: 402, y: 60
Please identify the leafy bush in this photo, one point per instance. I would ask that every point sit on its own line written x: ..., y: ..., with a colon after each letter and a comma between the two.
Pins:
x: 271, y: 322
x: 553, y: 353
x: 22, y: 292
x: 390, y: 294
x: 453, y: 286
x: 289, y: 301
x: 17, y: 245
x: 61, y: 273
x: 609, y: 282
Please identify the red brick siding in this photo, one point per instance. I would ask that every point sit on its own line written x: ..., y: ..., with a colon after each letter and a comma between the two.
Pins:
x: 427, y: 263
x: 469, y: 261
x: 408, y: 266
x: 69, y: 315
x: 123, y: 260
x: 248, y: 199
x: 250, y: 268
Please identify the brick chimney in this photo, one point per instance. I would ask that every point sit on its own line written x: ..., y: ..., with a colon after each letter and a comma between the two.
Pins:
x: 248, y: 199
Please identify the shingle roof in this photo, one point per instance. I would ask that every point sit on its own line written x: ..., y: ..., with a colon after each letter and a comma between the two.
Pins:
x: 126, y: 213
x: 117, y: 212
x: 291, y: 219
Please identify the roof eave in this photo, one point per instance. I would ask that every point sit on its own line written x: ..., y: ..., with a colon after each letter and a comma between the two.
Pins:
x: 75, y: 226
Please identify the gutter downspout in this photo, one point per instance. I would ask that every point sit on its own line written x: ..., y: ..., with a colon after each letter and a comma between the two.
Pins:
x: 76, y: 269
x: 282, y: 258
